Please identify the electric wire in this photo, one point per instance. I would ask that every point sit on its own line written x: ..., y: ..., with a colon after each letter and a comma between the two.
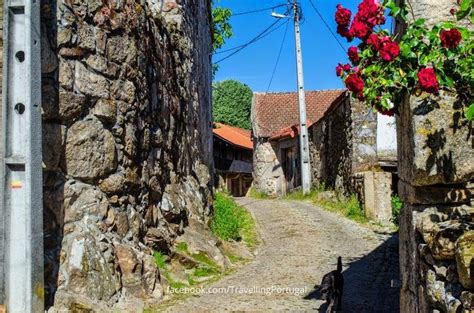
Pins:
x: 263, y: 34
x: 278, y: 57
x: 259, y: 10
x: 327, y: 25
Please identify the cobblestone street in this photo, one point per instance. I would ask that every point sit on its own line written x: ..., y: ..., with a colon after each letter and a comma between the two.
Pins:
x: 301, y: 243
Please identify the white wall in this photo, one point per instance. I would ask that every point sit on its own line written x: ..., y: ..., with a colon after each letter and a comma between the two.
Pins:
x: 386, y: 136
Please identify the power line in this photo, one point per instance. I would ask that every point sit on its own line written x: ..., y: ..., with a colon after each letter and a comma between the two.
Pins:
x: 263, y: 34
x: 279, y: 55
x: 327, y: 25
x: 259, y: 10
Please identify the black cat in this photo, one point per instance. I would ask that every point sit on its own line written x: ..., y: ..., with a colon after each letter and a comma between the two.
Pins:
x: 331, y: 288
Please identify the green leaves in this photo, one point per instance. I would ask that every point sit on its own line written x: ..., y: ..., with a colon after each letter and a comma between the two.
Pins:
x: 231, y: 103
x: 222, y: 29
x: 465, y: 9
x: 470, y: 112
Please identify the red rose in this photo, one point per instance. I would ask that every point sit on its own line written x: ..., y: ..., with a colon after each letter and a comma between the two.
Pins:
x: 344, y: 32
x: 359, y: 29
x: 354, y: 83
x: 346, y: 67
x: 371, y: 13
x: 389, y: 112
x: 339, y: 70
x: 353, y: 55
x: 428, y: 81
x: 450, y: 38
x: 374, y: 42
x: 389, y: 51
x: 343, y: 16
x: 452, y: 11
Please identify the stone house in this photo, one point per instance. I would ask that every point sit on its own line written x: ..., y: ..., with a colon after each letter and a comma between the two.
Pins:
x: 345, y: 152
x: 275, y: 135
x: 233, y: 149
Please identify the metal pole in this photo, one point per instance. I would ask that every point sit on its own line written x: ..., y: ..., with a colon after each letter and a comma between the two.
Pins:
x: 304, y: 145
x: 21, y: 201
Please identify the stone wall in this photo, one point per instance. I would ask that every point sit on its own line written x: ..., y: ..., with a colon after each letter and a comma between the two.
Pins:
x: 435, y: 157
x: 126, y: 143
x: 342, y: 143
x: 268, y: 176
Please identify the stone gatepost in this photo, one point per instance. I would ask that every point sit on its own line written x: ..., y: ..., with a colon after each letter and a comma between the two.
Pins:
x: 436, y: 168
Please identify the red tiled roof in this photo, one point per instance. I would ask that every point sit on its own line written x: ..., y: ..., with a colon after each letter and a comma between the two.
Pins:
x: 274, y: 111
x: 290, y: 131
x: 234, y: 135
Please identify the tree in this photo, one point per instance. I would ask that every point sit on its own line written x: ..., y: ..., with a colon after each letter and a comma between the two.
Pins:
x: 231, y: 103
x: 221, y: 28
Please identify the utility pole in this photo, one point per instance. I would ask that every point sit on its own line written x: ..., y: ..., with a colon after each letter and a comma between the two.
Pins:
x: 21, y: 198
x: 304, y: 145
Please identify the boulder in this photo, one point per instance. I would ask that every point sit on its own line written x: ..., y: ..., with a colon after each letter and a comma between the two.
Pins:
x: 90, y: 150
x: 159, y: 239
x: 465, y: 259
x: 199, y: 240
x: 131, y: 268
x: 70, y: 105
x: 114, y: 184
x: 85, y: 270
x: 90, y: 83
x: 82, y: 199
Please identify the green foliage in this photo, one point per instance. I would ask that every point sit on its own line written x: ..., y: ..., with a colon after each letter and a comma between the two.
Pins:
x: 182, y: 247
x: 465, y: 9
x: 232, y: 222
x: 221, y: 29
x: 256, y: 194
x: 354, y: 210
x: 299, y: 195
x: 397, y: 205
x: 470, y: 112
x: 231, y: 103
x: 160, y: 260
x: 386, y: 82
x: 203, y: 271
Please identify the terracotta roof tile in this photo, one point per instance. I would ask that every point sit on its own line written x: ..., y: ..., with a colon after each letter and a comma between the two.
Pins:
x: 276, y: 111
x: 235, y: 135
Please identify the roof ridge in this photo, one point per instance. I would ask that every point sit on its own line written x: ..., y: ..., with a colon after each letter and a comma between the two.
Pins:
x: 294, y: 92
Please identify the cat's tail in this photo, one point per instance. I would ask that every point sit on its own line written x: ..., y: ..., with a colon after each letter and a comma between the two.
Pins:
x: 339, y: 264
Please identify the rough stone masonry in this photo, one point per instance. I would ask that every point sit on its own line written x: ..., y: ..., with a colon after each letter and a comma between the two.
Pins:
x: 126, y: 143
x: 436, y: 168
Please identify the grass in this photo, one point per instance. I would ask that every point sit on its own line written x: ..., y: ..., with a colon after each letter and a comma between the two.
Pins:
x: 299, y: 195
x: 233, y: 222
x: 204, y: 271
x: 182, y: 247
x: 160, y: 260
x: 254, y: 193
x: 349, y: 207
x: 397, y: 205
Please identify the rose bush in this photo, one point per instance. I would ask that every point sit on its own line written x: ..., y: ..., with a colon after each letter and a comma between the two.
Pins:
x: 424, y: 59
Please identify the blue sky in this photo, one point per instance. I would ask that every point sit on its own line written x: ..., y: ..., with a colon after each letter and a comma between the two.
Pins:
x: 254, y: 65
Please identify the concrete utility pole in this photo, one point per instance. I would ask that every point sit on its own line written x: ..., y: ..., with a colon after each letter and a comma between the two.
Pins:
x: 21, y: 200
x: 304, y: 145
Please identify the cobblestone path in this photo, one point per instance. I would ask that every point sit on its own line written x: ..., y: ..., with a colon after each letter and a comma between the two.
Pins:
x: 301, y: 243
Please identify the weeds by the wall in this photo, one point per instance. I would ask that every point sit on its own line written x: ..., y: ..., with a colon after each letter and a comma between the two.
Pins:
x: 255, y: 194
x: 349, y: 207
x: 232, y: 222
x: 397, y: 205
